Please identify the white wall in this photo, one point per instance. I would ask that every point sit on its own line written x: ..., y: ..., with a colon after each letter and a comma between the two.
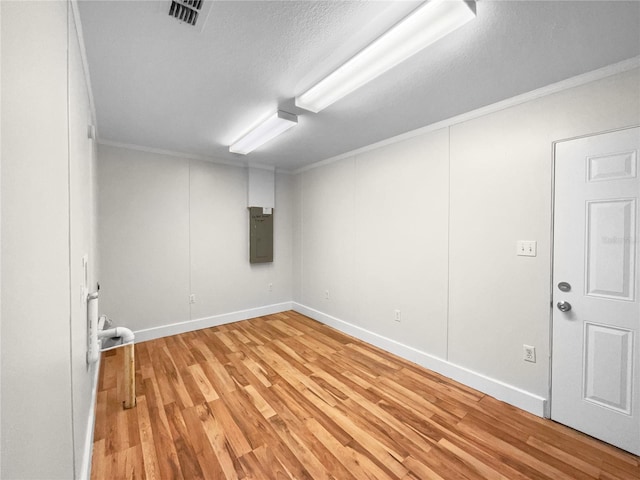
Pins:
x: 373, y: 235
x: 36, y: 428
x: 46, y: 201
x: 0, y: 244
x: 429, y: 226
x: 82, y: 188
x: 501, y: 191
x: 222, y: 278
x: 261, y: 189
x: 170, y: 227
x: 143, y: 230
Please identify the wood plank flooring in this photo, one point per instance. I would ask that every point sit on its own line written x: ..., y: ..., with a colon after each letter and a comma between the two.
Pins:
x: 285, y: 397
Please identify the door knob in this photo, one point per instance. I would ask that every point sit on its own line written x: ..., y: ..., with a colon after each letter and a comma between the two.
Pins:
x: 564, y: 306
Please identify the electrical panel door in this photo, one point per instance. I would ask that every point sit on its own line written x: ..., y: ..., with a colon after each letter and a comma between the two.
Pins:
x: 261, y: 235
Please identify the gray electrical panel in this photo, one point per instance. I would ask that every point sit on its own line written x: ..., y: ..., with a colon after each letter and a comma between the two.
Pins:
x: 261, y: 235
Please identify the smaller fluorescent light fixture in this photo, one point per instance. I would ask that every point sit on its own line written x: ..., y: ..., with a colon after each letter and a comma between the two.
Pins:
x: 273, y: 126
x: 424, y: 26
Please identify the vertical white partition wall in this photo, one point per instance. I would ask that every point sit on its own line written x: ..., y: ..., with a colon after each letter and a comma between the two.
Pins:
x: 82, y: 243
x: 47, y: 185
x: 37, y: 440
x: 0, y: 244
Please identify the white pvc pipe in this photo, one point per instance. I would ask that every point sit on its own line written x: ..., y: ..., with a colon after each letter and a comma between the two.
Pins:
x: 93, y: 350
x: 96, y: 334
x: 126, y: 334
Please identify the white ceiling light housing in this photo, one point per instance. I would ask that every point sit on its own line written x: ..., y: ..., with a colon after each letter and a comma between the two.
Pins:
x: 424, y: 26
x: 273, y: 126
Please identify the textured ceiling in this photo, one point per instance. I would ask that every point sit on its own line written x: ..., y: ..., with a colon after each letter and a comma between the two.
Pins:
x: 164, y: 85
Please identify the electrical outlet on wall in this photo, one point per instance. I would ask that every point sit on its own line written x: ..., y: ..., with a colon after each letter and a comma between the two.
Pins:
x: 529, y: 353
x: 192, y: 298
x: 271, y: 287
x: 397, y: 315
x: 326, y: 294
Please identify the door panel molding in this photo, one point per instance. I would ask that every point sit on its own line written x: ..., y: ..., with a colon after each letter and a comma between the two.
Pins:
x: 600, y: 386
x: 610, y: 250
x: 614, y: 166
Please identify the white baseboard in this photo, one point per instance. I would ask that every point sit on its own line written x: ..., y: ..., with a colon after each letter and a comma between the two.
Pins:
x: 502, y: 391
x: 214, y: 321
x: 87, y: 453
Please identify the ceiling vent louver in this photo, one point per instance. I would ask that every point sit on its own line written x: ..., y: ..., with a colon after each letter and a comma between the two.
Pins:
x: 188, y: 11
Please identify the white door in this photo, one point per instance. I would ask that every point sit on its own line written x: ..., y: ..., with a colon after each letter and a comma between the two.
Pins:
x: 596, y: 299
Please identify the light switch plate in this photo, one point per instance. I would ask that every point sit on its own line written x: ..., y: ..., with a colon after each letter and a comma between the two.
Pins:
x: 527, y: 248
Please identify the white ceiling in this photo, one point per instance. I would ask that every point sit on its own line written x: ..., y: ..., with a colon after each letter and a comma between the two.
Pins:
x: 164, y: 85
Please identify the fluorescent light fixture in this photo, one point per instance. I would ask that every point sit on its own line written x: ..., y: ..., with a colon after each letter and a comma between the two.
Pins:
x: 273, y: 126
x: 424, y: 26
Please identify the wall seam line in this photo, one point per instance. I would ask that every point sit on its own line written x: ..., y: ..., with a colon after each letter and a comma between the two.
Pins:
x: 189, y: 237
x: 448, y: 315
x: 301, y: 246
x: 73, y: 439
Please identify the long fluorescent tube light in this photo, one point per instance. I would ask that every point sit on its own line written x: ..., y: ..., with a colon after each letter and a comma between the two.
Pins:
x: 273, y: 126
x: 424, y: 26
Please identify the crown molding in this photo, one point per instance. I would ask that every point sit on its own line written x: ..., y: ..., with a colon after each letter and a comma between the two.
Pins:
x: 578, y: 80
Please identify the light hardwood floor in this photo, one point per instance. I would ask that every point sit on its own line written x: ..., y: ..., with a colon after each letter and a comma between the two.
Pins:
x: 285, y: 397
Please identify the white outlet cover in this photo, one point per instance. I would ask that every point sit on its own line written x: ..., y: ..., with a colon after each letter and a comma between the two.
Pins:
x: 529, y: 353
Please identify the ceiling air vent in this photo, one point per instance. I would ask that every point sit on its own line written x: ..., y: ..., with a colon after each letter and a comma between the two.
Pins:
x: 191, y: 12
